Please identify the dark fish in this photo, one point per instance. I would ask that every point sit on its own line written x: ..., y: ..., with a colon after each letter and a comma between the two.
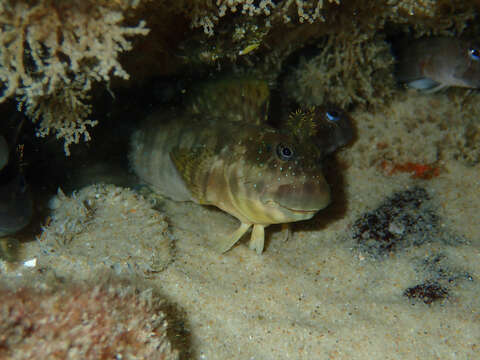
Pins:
x: 328, y: 127
x: 438, y: 62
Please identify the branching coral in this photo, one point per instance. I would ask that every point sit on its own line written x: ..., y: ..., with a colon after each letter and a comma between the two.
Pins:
x: 350, y: 68
x: 306, y: 11
x: 431, y: 17
x: 418, y: 129
x: 51, y: 52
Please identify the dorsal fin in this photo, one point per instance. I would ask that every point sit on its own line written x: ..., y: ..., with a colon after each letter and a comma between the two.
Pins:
x: 231, y: 99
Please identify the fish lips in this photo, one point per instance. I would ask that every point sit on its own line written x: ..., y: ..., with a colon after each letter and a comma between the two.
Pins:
x: 303, y: 199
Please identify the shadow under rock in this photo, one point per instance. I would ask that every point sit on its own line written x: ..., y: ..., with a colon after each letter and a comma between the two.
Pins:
x: 333, y: 171
x: 178, y: 330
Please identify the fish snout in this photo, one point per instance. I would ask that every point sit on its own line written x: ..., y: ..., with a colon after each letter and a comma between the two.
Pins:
x: 310, y: 196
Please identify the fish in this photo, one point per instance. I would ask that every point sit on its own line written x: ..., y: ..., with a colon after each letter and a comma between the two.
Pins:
x: 255, y: 173
x: 436, y: 63
x: 328, y: 127
x: 221, y: 149
x: 230, y: 99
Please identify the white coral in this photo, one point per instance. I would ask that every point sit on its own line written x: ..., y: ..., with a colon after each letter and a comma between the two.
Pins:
x: 307, y: 11
x: 50, y: 54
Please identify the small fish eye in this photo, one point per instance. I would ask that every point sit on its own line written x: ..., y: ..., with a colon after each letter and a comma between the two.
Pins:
x: 474, y: 53
x: 332, y: 115
x: 284, y: 152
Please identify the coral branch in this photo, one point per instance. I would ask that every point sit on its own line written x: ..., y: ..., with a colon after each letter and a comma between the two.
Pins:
x: 52, y: 51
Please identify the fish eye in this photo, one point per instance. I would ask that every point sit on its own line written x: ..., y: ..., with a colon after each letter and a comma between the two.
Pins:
x: 285, y: 152
x: 333, y: 115
x: 474, y: 53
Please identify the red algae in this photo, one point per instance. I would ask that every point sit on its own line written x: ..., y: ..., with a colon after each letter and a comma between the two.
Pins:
x: 416, y: 170
x: 82, y: 322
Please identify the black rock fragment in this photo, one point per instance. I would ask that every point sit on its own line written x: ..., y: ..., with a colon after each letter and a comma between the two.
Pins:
x: 427, y: 292
x: 404, y: 219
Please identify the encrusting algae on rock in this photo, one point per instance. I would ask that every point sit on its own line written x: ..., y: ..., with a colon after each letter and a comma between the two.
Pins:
x: 83, y: 321
x: 98, y: 219
x: 249, y: 169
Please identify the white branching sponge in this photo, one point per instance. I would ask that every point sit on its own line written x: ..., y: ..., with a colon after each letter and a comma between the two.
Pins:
x: 51, y: 52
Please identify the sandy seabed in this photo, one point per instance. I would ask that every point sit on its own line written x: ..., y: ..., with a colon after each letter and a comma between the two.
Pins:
x: 320, y: 294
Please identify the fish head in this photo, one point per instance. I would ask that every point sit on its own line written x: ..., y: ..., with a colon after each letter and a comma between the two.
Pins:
x: 435, y: 63
x: 451, y: 62
x: 282, y: 179
x: 468, y: 68
x: 334, y: 129
x: 329, y: 127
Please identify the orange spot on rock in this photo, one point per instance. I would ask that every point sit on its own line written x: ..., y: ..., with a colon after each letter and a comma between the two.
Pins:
x: 416, y: 170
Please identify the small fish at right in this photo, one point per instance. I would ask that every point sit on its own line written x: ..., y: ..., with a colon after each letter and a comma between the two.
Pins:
x: 436, y: 63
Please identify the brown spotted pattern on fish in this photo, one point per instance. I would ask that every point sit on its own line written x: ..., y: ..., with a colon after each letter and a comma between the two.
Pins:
x: 230, y: 99
x: 435, y: 63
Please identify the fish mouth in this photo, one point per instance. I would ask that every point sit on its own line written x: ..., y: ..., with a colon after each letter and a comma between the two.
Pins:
x: 299, y: 211
x: 304, y: 200
x: 292, y: 210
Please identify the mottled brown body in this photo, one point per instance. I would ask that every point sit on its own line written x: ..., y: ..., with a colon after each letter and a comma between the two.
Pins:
x: 435, y: 63
x: 253, y: 172
x: 244, y: 100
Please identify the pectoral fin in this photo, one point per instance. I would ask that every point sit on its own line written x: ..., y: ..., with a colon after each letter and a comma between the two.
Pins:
x: 226, y: 244
x: 286, y: 231
x: 258, y: 238
x: 426, y: 85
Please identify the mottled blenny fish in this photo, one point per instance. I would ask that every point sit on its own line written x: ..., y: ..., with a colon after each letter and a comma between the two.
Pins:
x: 249, y: 169
x: 435, y: 63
